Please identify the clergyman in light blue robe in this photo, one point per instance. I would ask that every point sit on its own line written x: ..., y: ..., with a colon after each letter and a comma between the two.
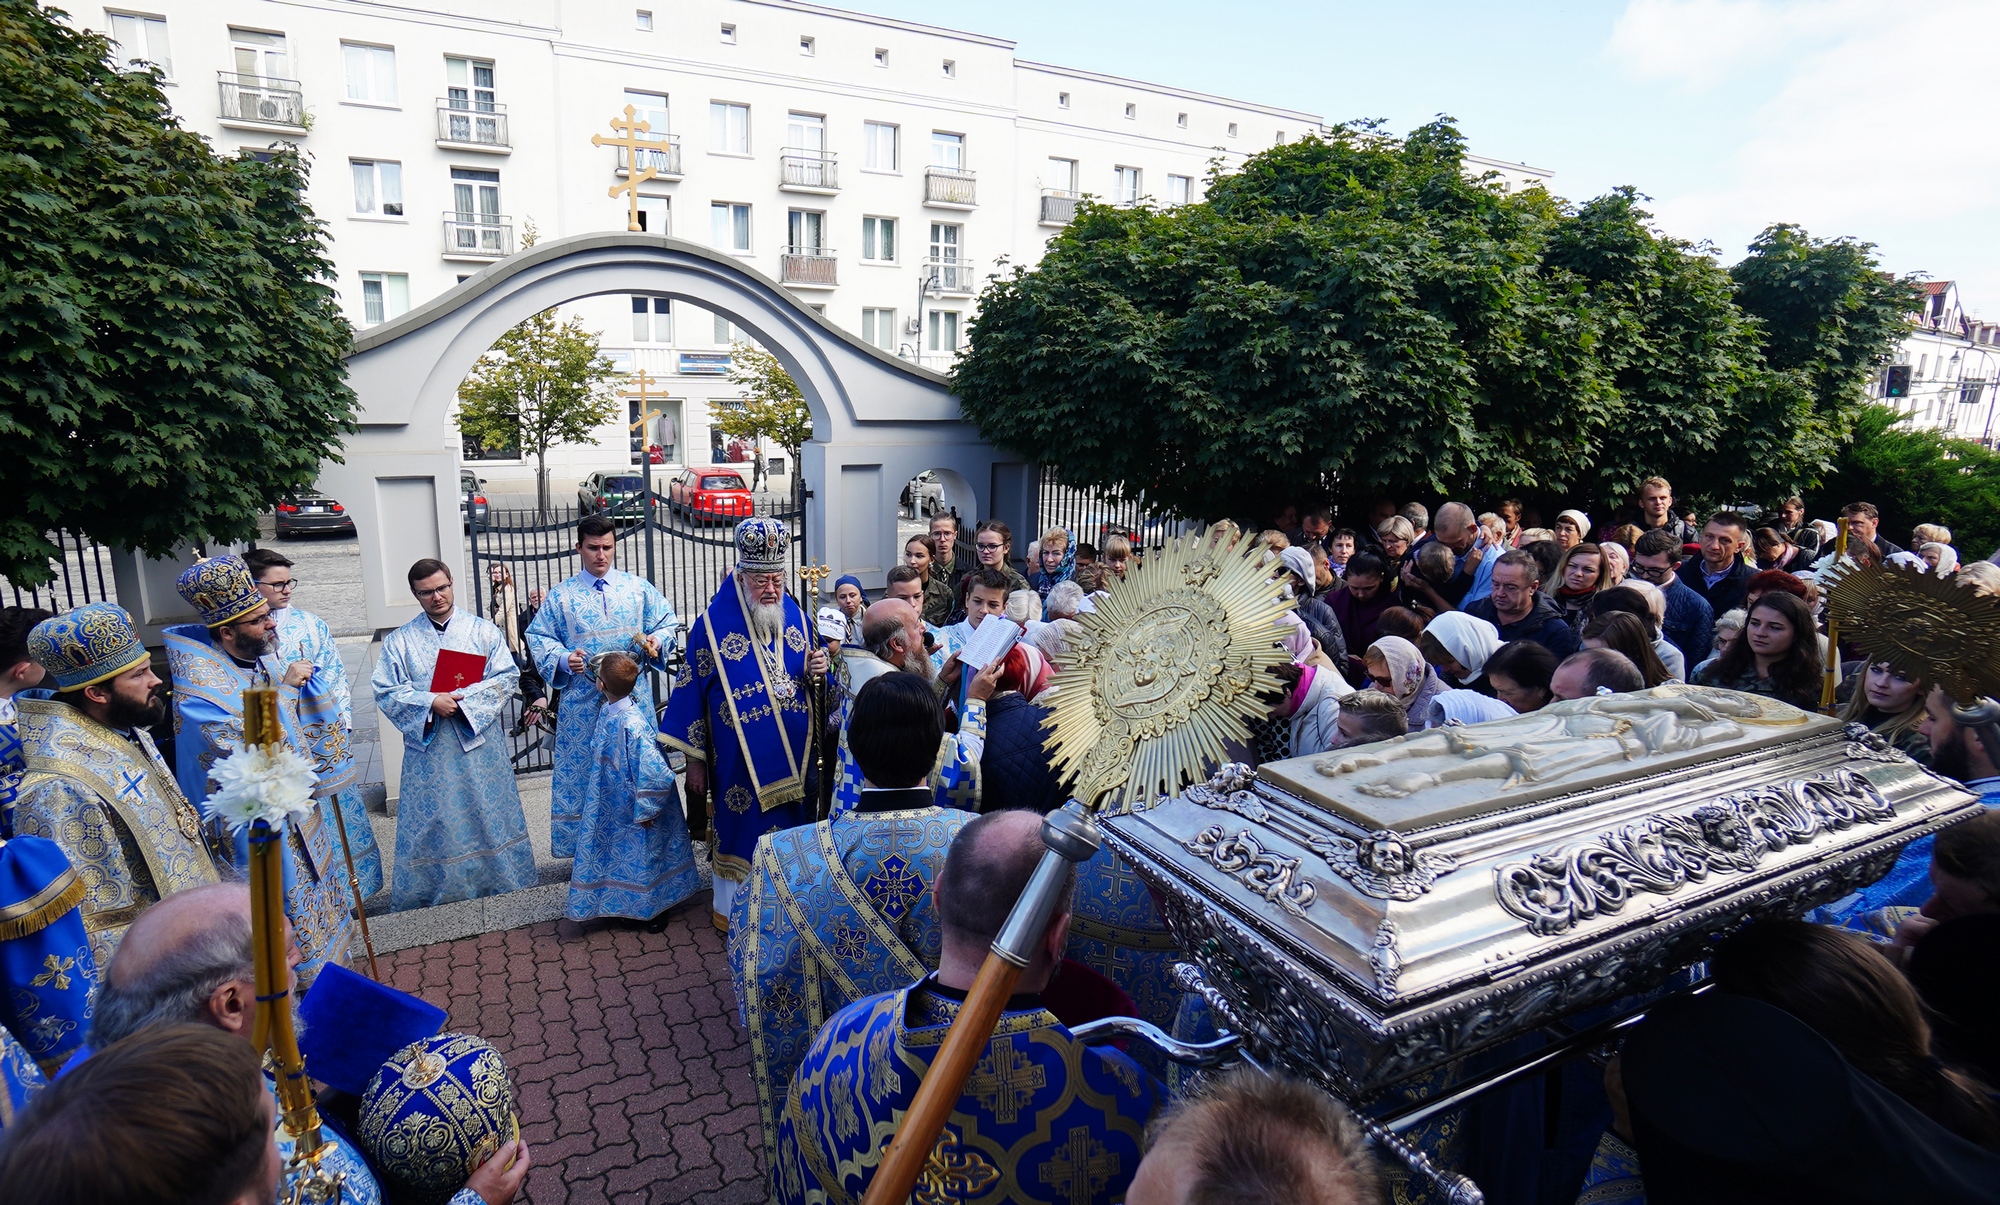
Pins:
x: 460, y: 831
x: 633, y: 856
x: 304, y: 636
x: 594, y: 615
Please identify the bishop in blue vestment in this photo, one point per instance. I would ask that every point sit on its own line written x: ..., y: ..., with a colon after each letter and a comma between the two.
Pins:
x: 739, y: 708
x: 460, y: 831
x: 633, y: 856
x: 600, y: 610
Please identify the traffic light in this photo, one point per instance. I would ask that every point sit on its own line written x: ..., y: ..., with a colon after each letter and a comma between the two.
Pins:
x: 1896, y: 383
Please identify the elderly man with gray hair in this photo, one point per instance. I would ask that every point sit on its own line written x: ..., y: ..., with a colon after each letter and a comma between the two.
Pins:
x: 188, y: 959
x: 1457, y: 528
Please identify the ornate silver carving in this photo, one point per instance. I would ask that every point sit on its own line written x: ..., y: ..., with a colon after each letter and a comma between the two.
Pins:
x: 1552, y: 892
x: 1865, y: 744
x: 1382, y: 864
x: 1385, y: 958
x: 1267, y: 874
x: 1227, y: 798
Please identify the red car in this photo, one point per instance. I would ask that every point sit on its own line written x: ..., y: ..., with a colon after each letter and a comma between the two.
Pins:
x: 710, y: 495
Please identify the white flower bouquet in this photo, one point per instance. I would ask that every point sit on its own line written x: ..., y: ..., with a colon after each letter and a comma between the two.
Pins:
x: 254, y: 784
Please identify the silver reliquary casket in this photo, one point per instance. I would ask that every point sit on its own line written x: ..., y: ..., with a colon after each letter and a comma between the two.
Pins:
x: 1377, y: 912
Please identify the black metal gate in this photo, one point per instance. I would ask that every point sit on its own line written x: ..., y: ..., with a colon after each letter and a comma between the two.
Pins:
x: 81, y: 575
x: 685, y: 554
x: 1091, y: 515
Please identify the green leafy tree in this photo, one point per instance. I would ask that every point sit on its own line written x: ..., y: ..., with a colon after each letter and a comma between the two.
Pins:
x: 772, y: 406
x: 540, y: 385
x: 1916, y: 476
x: 171, y: 356
x: 1354, y: 314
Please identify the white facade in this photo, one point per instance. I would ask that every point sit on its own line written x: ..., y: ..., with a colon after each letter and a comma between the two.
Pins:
x: 1954, y: 361
x: 876, y: 167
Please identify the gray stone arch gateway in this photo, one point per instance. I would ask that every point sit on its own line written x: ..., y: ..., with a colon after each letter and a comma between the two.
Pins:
x: 877, y: 421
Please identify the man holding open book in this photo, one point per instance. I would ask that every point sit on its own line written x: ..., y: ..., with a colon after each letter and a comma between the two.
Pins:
x: 441, y: 680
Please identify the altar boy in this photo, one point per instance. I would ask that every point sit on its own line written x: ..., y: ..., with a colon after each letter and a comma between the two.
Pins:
x: 633, y: 857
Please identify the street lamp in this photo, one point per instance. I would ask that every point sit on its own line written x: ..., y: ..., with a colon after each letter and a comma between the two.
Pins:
x: 932, y: 288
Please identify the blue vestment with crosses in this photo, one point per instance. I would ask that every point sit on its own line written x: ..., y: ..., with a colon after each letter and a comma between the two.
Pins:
x: 633, y: 857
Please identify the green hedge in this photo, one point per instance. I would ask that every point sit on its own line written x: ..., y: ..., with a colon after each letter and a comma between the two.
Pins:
x: 1916, y: 477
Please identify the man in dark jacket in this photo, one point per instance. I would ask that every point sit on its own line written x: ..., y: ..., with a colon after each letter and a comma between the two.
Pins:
x: 1719, y: 574
x: 1014, y: 768
x: 1864, y: 523
x: 1517, y: 607
x: 1656, y: 511
x: 1690, y: 624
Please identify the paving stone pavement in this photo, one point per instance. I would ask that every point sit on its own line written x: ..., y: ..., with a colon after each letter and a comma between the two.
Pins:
x: 630, y: 1065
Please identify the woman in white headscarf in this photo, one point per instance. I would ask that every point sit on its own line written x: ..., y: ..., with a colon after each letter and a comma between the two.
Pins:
x: 1941, y: 558
x: 1457, y: 645
x: 1397, y: 667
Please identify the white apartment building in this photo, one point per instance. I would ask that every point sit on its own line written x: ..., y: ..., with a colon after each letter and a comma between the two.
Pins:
x: 880, y: 169
x: 1954, y: 361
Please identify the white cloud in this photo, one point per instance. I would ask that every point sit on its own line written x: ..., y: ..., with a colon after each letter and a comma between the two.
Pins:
x: 1702, y: 42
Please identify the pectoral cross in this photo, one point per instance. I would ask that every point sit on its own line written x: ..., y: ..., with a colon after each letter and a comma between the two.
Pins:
x: 811, y: 576
x: 635, y: 175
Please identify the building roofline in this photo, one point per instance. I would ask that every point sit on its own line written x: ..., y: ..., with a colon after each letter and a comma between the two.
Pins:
x: 1539, y: 173
x: 846, y: 14
x: 1166, y: 90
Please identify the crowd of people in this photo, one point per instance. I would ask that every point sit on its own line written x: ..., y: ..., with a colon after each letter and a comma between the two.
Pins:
x: 865, y: 783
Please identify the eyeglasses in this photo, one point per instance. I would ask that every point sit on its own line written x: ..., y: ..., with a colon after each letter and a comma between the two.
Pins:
x: 284, y: 587
x: 766, y: 579
x: 1652, y: 573
x: 983, y: 546
x: 433, y: 593
x: 1382, y: 680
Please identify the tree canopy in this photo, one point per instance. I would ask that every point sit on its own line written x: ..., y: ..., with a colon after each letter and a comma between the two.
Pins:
x: 1916, y: 476
x: 540, y: 385
x: 772, y: 407
x: 1355, y: 315
x: 170, y: 349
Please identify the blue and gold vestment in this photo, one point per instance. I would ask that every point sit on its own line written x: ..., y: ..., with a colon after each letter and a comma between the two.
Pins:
x: 328, y: 729
x: 20, y: 1080
x: 208, y: 726
x: 1044, y: 1118
x: 954, y: 780
x: 633, y: 855
x: 832, y: 912
x: 113, y: 806
x: 48, y: 976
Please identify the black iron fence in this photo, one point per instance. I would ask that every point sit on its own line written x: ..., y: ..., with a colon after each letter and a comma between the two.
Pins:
x: 687, y: 554
x: 81, y: 575
x: 1092, y: 515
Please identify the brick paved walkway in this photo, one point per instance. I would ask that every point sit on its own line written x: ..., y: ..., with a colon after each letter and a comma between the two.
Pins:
x: 630, y: 1063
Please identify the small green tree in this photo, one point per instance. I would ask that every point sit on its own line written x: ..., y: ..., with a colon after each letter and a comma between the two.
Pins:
x: 540, y: 385
x: 1916, y: 476
x: 171, y: 352
x: 772, y: 407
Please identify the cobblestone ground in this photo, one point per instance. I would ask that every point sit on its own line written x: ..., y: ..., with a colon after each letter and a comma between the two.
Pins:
x: 631, y: 1066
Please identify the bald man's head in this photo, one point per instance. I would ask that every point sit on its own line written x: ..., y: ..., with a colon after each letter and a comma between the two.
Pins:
x: 990, y: 863
x: 1254, y: 1137
x: 187, y: 958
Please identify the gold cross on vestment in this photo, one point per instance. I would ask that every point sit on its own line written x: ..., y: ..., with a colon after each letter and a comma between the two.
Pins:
x: 1004, y: 1080
x: 631, y: 144
x: 56, y: 974
x: 1080, y: 1168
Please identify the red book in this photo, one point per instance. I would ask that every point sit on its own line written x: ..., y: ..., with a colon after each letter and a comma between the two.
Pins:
x: 456, y: 671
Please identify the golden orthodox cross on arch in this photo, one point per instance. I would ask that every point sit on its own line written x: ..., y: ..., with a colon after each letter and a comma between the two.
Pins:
x: 630, y: 127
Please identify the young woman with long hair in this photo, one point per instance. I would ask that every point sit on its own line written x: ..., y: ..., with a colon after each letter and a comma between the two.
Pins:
x: 1623, y: 632
x: 1777, y: 655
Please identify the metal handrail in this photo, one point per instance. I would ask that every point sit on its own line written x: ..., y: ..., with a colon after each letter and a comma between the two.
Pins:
x: 806, y: 168
x: 664, y: 158
x: 479, y: 125
x: 492, y: 234
x: 951, y: 185
x: 278, y: 102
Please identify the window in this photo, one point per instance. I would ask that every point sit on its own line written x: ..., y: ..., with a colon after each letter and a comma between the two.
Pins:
x: 878, y: 240
x: 258, y: 55
x: 371, y: 73
x: 881, y: 57
x: 1125, y: 189
x: 1062, y: 175
x: 137, y: 39
x: 655, y: 215
x: 950, y: 68
x: 468, y: 84
x: 727, y: 332
x: 1232, y: 129
x: 805, y: 132
x: 944, y: 330
x: 1062, y: 100
x: 1180, y: 119
x: 1180, y: 190
x: 652, y: 320
x: 947, y: 150
x: 728, y: 34
x: 878, y: 146
x: 651, y: 108
x: 728, y: 128
x: 384, y: 295
x: 729, y: 226
x: 378, y: 187
x: 879, y: 328
x: 805, y: 232
x: 945, y: 241
x: 645, y: 19
x: 1131, y: 112
x: 476, y: 197
x: 1281, y: 136
x: 808, y: 47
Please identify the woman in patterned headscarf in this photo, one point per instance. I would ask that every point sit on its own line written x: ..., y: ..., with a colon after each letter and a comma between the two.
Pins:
x: 1397, y: 667
x: 1058, y: 561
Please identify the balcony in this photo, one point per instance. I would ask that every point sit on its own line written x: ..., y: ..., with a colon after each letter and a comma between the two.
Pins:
x: 949, y: 188
x: 665, y: 160
x: 807, y: 171
x: 469, y: 127
x: 1059, y: 206
x: 477, y: 236
x: 807, y: 268
x: 955, y: 277
x: 258, y: 102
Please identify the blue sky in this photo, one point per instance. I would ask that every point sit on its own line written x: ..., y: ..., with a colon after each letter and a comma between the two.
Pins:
x: 1871, y: 118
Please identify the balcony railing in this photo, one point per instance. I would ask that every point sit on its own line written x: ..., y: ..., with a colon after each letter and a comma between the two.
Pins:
x: 812, y: 266
x: 949, y: 186
x: 807, y: 171
x: 954, y: 275
x: 665, y: 161
x: 472, y: 125
x: 261, y: 100
x: 1059, y: 206
x: 478, y: 235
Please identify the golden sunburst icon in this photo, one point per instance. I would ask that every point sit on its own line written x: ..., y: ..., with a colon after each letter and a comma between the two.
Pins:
x: 1923, y: 625
x: 1166, y: 672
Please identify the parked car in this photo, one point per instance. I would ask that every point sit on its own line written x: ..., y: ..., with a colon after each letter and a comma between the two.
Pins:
x: 606, y: 490
x: 313, y: 513
x: 710, y: 495
x: 472, y: 483
x: 923, y: 498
